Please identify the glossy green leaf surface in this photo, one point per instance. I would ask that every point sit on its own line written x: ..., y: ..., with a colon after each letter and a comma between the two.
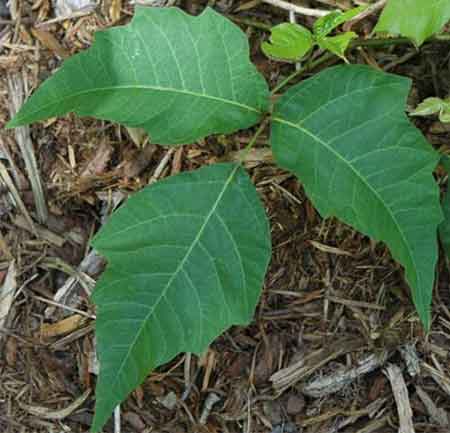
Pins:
x: 345, y: 135
x: 179, y: 77
x: 415, y: 19
x: 326, y: 24
x: 444, y: 115
x: 428, y: 106
x: 288, y: 41
x: 291, y: 42
x: 337, y: 44
x: 187, y: 258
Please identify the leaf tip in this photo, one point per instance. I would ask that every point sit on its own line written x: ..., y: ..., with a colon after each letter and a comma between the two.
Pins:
x: 102, y: 414
x: 13, y: 123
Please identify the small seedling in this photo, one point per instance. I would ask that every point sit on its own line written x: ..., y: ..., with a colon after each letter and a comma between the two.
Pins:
x: 291, y: 42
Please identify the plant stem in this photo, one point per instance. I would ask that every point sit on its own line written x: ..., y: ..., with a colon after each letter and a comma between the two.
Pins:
x: 379, y: 42
x: 309, y: 65
x: 251, y: 23
x: 252, y: 142
x: 441, y: 37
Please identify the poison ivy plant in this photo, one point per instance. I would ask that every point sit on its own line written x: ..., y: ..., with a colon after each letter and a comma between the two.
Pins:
x: 291, y: 42
x: 183, y: 266
x: 180, y: 82
x: 187, y: 255
x: 344, y: 133
x: 434, y: 106
x: 415, y: 19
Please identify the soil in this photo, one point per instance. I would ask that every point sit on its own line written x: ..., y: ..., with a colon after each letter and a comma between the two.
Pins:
x: 335, y: 318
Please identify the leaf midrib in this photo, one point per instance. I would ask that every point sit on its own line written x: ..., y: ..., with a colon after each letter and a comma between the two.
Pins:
x: 147, y: 87
x: 375, y: 192
x: 180, y: 266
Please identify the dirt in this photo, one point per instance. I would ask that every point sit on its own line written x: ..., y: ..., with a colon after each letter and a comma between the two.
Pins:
x: 333, y: 300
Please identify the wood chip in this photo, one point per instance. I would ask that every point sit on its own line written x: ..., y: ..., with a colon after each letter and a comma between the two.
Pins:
x: 50, y: 42
x: 438, y: 415
x: 256, y: 156
x: 136, y: 161
x: 4, y: 175
x: 65, y: 326
x: 439, y: 377
x: 325, y: 385
x: 400, y: 391
x: 328, y: 249
x: 409, y: 355
x: 177, y: 161
x: 7, y: 292
x: 98, y: 163
x: 91, y: 265
x: 307, y: 366
x: 41, y: 232
x: 115, y: 10
x: 210, y: 401
x: 17, y: 86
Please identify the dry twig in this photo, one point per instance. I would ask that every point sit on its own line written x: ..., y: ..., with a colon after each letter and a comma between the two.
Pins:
x: 372, y: 8
x: 334, y: 382
x: 22, y: 134
x: 297, y: 9
x: 400, y: 391
x: 437, y: 414
x: 7, y: 292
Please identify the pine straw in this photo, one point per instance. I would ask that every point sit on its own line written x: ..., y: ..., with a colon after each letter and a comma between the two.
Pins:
x: 333, y: 300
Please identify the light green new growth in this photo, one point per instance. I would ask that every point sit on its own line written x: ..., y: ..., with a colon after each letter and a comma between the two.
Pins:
x: 291, y: 42
x: 434, y: 106
x: 288, y: 42
x: 326, y: 24
x: 415, y: 19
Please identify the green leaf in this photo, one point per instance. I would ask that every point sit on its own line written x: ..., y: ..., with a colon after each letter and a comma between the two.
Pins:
x: 444, y: 227
x: 344, y: 133
x: 186, y: 259
x: 179, y: 77
x: 291, y: 42
x: 432, y: 106
x: 337, y: 44
x: 288, y: 42
x: 415, y: 19
x: 444, y: 114
x: 428, y: 106
x: 326, y: 24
